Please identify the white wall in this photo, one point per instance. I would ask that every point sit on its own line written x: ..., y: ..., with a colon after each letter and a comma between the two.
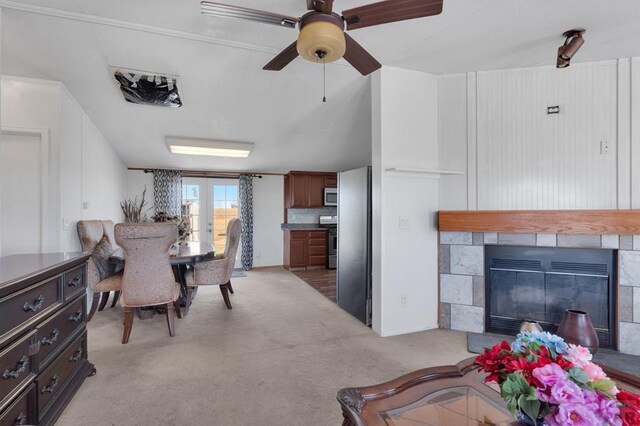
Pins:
x: 136, y: 183
x: 104, y: 176
x: 452, y: 136
x: 33, y: 104
x: 268, y: 203
x: 82, y: 164
x: 494, y: 126
x: 405, y: 135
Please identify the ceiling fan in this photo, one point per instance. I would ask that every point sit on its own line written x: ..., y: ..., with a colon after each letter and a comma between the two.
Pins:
x: 322, y: 36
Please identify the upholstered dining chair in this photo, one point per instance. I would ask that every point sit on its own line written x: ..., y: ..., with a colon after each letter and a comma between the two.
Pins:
x: 148, y: 279
x: 217, y: 271
x: 103, y: 276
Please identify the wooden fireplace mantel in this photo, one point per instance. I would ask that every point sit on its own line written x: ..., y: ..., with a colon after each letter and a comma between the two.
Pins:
x: 622, y: 222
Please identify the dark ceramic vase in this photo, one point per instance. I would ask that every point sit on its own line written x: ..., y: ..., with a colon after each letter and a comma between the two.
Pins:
x: 576, y: 328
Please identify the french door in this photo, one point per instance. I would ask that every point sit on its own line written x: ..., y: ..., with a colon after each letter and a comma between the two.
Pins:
x: 211, y: 204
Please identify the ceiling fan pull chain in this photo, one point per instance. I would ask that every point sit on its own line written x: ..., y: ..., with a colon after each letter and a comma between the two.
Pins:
x: 324, y: 81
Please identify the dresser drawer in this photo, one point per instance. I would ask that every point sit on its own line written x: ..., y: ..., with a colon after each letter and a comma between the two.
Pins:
x: 57, y: 329
x: 29, y: 304
x: 16, y: 366
x: 52, y: 381
x: 74, y: 283
x: 21, y: 411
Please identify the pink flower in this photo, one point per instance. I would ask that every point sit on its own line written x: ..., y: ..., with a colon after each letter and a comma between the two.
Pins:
x: 594, y: 371
x: 566, y: 391
x: 573, y: 414
x: 549, y: 374
x: 563, y: 391
x: 605, y: 409
x: 578, y: 355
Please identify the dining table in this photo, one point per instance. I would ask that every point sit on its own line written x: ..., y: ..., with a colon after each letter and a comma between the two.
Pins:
x: 188, y: 254
x: 182, y: 256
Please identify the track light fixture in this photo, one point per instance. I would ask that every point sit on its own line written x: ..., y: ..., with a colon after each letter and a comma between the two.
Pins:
x: 571, y: 45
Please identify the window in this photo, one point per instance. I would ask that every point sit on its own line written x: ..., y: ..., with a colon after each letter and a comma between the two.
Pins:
x: 191, y: 208
x: 225, y: 208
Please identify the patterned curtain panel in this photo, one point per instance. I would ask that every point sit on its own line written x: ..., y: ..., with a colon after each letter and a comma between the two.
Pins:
x: 167, y: 191
x: 246, y: 217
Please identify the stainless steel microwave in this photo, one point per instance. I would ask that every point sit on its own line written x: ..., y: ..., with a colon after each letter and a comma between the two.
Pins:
x: 330, y: 196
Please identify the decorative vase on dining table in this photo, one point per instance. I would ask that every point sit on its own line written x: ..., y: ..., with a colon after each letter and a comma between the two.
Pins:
x: 576, y: 328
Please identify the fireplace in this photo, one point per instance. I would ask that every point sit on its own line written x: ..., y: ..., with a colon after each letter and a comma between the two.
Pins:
x: 539, y: 283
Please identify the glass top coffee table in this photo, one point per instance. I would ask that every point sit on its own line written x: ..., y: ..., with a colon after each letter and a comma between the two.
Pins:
x: 439, y: 396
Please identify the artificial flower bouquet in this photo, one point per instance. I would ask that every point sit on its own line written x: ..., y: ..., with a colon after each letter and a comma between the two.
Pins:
x: 556, y: 384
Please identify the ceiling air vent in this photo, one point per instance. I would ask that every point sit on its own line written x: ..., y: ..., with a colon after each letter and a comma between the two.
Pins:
x: 144, y: 88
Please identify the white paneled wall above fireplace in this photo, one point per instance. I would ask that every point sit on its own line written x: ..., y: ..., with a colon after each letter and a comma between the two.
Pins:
x: 517, y: 157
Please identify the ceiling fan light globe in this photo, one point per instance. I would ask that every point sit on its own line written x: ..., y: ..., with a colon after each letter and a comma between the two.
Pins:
x: 321, y: 36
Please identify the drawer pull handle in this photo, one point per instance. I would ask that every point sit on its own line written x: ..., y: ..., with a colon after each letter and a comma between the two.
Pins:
x: 74, y: 282
x: 35, y: 306
x: 77, y: 316
x: 55, y: 380
x: 52, y: 339
x: 76, y: 357
x: 21, y: 419
x: 21, y: 367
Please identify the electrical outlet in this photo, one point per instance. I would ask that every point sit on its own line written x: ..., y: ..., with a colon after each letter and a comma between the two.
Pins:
x: 403, y: 301
x: 604, y: 147
x: 405, y: 223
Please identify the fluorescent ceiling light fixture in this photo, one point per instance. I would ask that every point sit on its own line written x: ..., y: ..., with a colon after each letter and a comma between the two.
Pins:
x: 209, y: 147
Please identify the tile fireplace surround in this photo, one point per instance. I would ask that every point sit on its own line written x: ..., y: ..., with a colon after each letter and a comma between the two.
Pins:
x: 463, y: 236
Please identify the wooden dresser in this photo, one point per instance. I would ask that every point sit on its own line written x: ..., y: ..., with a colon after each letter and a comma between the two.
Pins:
x: 43, y: 337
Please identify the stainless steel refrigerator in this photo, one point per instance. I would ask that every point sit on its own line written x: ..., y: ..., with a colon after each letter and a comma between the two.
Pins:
x: 354, y: 243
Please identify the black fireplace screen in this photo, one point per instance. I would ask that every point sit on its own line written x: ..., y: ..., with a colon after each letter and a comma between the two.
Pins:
x: 539, y: 283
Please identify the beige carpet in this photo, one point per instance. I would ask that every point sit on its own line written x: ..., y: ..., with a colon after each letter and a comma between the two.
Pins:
x: 277, y: 358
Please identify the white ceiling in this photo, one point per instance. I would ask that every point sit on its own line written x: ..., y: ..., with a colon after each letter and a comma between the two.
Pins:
x: 228, y: 96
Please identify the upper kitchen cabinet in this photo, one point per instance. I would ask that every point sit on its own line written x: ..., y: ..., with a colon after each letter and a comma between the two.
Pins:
x: 305, y: 190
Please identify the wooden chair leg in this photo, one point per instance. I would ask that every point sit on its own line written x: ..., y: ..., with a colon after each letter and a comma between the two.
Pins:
x: 128, y: 324
x: 105, y: 298
x: 224, y: 289
x: 176, y: 305
x: 230, y: 288
x: 171, y: 313
x: 94, y: 305
x: 187, y: 304
x: 116, y: 296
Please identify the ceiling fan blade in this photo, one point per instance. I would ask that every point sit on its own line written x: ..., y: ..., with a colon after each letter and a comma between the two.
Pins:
x: 283, y: 59
x: 387, y: 11
x: 359, y: 58
x: 228, y: 11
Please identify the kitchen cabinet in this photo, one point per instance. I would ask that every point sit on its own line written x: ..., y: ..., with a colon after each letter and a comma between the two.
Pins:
x: 298, y: 248
x: 305, y: 249
x: 305, y: 190
x: 331, y: 181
